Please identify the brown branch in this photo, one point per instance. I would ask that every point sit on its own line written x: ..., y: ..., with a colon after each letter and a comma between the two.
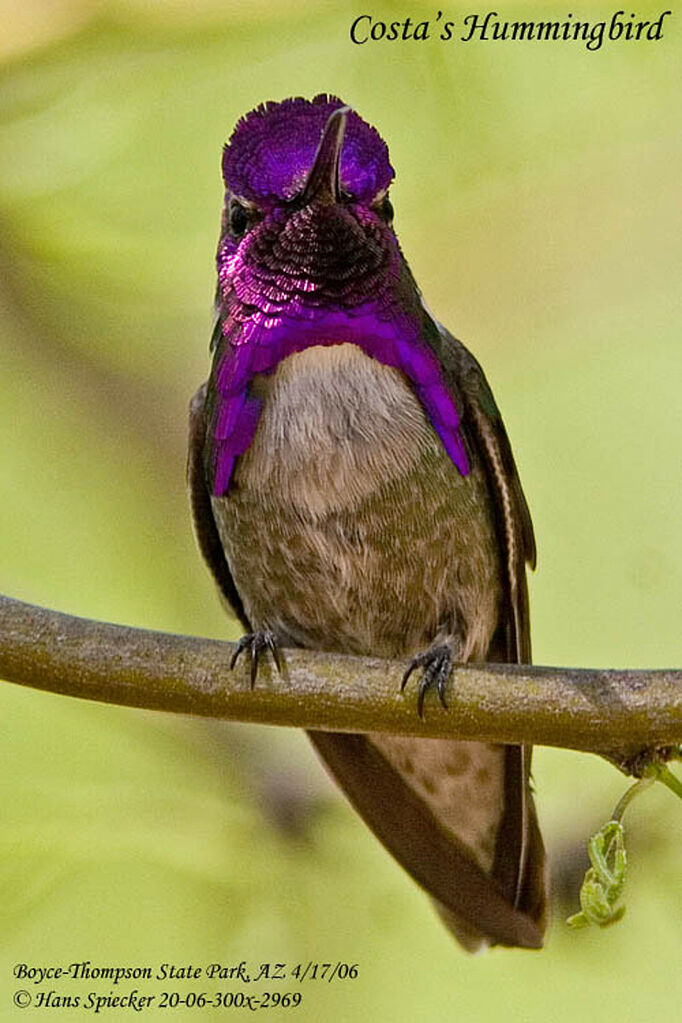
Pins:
x: 612, y: 712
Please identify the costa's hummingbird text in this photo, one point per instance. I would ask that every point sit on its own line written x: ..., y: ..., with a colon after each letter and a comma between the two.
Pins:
x: 490, y: 27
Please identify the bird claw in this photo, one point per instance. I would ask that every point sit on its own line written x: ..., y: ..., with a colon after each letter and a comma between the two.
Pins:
x: 256, y: 643
x: 437, y: 664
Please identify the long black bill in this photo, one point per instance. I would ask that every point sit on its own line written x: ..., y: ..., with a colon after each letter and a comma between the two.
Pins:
x: 323, y: 179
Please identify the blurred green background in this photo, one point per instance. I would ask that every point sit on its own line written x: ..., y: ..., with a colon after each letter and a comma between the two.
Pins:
x: 538, y: 201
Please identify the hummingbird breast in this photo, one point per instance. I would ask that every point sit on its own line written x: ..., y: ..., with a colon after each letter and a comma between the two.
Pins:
x: 347, y: 527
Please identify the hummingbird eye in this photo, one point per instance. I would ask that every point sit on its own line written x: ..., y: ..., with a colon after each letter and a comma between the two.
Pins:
x: 239, y: 219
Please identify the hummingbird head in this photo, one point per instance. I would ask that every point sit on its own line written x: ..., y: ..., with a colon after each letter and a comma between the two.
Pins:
x: 307, y: 256
x: 307, y: 222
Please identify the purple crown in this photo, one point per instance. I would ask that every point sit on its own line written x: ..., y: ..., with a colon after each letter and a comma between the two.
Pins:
x: 273, y: 147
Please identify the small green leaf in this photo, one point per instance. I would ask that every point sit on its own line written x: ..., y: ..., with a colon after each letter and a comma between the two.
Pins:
x: 603, y: 882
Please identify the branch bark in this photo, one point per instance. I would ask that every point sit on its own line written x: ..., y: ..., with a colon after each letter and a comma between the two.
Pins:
x: 612, y: 712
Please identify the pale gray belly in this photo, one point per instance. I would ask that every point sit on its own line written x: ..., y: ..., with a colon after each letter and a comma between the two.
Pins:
x: 347, y: 527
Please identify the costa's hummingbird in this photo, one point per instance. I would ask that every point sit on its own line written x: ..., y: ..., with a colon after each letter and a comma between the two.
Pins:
x: 353, y: 489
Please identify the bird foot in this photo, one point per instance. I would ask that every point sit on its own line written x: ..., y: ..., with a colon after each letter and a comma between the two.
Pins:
x: 437, y: 663
x: 256, y: 643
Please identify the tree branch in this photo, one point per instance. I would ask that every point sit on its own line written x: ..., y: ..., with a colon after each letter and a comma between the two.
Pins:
x: 614, y: 713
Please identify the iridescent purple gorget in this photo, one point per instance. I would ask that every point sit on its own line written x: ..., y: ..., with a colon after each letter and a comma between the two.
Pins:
x: 318, y: 265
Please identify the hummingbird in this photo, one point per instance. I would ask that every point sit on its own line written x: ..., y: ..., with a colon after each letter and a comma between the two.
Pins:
x: 353, y: 489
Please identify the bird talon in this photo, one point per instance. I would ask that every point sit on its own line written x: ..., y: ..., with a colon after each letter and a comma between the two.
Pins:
x: 241, y: 646
x: 406, y: 676
x: 442, y: 681
x: 420, y: 699
x: 274, y: 650
x: 256, y: 643
x: 437, y: 665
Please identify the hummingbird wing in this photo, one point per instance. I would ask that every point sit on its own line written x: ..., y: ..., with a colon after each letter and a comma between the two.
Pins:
x: 483, y: 427
x: 205, y: 529
x: 519, y: 864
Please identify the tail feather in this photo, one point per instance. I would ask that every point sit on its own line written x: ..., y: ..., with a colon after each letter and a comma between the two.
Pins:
x: 471, y: 900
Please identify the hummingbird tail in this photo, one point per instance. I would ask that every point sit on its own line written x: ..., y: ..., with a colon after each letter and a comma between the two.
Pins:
x: 472, y: 900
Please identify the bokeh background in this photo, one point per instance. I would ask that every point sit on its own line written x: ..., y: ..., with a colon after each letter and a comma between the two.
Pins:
x: 538, y: 201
